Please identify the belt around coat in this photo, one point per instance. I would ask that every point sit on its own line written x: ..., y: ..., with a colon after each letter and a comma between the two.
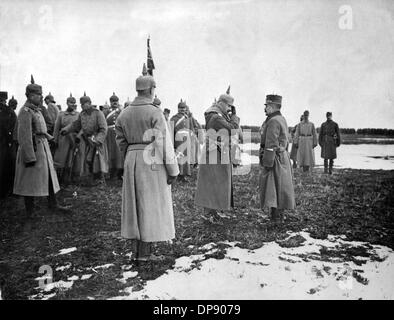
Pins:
x: 137, y: 146
x: 305, y: 135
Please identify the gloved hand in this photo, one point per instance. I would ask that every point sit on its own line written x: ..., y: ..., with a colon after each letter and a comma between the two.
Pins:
x: 63, y: 132
x: 30, y: 164
x: 171, y: 180
x: 53, y: 144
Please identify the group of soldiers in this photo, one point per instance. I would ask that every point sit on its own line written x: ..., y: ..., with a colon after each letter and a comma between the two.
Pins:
x: 304, y: 136
x: 140, y: 145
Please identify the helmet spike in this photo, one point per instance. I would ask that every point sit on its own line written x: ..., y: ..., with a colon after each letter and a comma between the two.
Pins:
x: 228, y: 90
x: 31, y: 79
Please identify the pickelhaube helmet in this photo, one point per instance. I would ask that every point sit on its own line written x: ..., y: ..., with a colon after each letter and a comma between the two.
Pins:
x: 12, y: 102
x: 227, y: 98
x: 33, y: 87
x: 113, y: 98
x: 84, y: 98
x: 156, y: 101
x: 71, y: 99
x: 50, y: 98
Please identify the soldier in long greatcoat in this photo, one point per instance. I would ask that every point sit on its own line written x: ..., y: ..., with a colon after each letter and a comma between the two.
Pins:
x: 115, y: 156
x: 94, y: 155
x: 305, y: 140
x: 53, y: 111
x: 276, y: 179
x: 67, y: 154
x: 294, y: 148
x: 35, y: 175
x: 181, y: 127
x: 329, y: 140
x: 149, y: 170
x: 215, y: 179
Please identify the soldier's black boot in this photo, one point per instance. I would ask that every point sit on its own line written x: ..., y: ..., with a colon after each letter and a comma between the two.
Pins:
x: 274, y: 215
x: 29, y: 206
x: 325, y: 166
x: 120, y: 174
x: 53, y: 205
x: 331, y: 165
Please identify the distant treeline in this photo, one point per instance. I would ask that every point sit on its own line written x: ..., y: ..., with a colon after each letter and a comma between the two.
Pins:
x: 370, y: 131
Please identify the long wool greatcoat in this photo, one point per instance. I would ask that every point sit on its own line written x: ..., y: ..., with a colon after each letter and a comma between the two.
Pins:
x: 147, y: 212
x: 115, y: 157
x: 33, y: 146
x: 66, y: 144
x: 7, y: 149
x: 276, y: 185
x: 214, y: 181
x: 306, y: 139
x: 94, y: 158
x: 329, y: 139
x: 182, y: 129
x: 53, y: 112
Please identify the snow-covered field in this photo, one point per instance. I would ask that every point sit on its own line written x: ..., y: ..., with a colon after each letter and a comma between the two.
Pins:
x: 276, y: 272
x: 360, y: 156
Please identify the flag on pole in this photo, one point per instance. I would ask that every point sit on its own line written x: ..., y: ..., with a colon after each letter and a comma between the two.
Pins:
x: 150, y: 64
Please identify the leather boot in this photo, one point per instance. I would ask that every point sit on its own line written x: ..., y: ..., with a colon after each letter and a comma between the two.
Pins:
x: 274, y: 215
x: 330, y: 167
x: 325, y: 166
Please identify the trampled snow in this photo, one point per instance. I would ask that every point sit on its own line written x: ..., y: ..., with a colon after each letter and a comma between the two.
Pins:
x: 275, y: 272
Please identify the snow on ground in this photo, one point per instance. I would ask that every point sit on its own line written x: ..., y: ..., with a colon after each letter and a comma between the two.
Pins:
x: 353, y: 156
x: 66, y: 251
x: 275, y: 272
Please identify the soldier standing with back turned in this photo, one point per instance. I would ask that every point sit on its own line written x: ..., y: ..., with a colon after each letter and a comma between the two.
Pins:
x: 329, y: 140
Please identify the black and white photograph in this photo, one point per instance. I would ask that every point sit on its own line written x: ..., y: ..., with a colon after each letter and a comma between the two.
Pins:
x: 206, y: 150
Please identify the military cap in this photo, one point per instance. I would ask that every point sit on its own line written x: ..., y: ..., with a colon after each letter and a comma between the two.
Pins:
x: 306, y: 113
x: 71, y: 99
x: 167, y: 111
x: 4, y: 95
x: 145, y: 81
x: 50, y: 98
x: 113, y: 98
x: 273, y: 98
x: 156, y: 101
x: 84, y: 99
x: 328, y: 114
x: 227, y: 98
x: 12, y: 102
x: 33, y: 87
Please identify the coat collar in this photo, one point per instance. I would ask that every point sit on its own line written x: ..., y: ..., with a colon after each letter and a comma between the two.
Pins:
x: 139, y: 101
x: 276, y: 113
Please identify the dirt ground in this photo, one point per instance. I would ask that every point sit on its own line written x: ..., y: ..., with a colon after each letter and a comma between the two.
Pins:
x: 355, y: 203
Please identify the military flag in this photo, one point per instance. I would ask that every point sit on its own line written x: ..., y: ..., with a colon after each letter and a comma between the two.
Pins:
x: 150, y: 64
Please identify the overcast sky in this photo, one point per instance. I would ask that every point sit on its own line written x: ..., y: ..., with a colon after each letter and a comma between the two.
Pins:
x: 304, y: 50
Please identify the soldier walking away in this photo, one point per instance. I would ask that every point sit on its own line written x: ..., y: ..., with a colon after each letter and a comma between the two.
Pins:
x: 215, y: 177
x: 294, y: 149
x: 115, y: 157
x: 35, y: 175
x: 306, y: 140
x: 66, y: 154
x: 92, y: 126
x: 7, y: 145
x: 276, y: 179
x: 329, y: 140
x: 147, y: 210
